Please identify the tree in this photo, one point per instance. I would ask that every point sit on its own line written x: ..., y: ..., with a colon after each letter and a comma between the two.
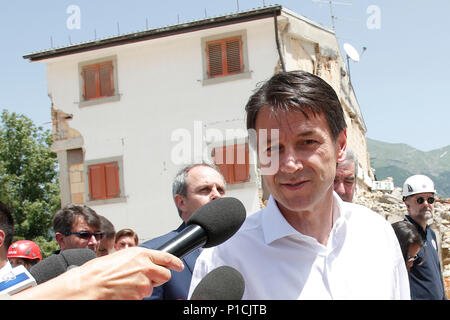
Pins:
x: 28, y: 175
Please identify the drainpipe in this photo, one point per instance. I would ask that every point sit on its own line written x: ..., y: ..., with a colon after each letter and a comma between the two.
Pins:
x: 283, y: 67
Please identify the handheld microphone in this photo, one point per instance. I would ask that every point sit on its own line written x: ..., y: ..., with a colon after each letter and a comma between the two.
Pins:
x: 209, y: 226
x: 223, y: 283
x: 16, y: 280
x: 57, y: 264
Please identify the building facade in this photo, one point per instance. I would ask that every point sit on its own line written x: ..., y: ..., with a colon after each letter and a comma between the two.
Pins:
x: 129, y: 111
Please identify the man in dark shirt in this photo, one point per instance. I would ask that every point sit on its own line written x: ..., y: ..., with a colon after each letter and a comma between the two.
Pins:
x: 193, y: 186
x: 425, y: 276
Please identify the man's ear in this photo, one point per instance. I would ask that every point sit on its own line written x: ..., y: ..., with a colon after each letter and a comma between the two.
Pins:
x: 2, y: 238
x: 179, y: 202
x: 60, y: 238
x: 341, y: 145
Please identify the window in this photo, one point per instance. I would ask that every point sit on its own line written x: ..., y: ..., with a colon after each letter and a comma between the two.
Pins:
x: 98, y: 81
x: 233, y: 162
x: 224, y: 57
x: 104, y: 181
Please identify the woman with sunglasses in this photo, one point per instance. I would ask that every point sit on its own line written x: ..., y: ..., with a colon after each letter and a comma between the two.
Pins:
x: 425, y: 279
x: 410, y: 242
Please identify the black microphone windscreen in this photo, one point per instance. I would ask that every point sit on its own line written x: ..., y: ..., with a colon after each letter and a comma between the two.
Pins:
x: 57, y: 264
x: 220, y: 218
x: 223, y: 283
x: 77, y: 257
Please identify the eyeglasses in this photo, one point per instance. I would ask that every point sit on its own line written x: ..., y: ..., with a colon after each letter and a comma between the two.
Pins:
x: 421, y: 200
x: 412, y: 259
x: 85, y: 235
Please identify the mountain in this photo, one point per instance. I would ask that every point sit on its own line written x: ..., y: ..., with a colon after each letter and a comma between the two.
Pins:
x: 400, y: 161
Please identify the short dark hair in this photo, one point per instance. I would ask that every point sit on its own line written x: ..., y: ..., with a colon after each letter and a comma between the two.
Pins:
x: 127, y: 233
x: 301, y: 91
x: 107, y: 228
x: 64, y: 218
x: 407, y: 235
x: 6, y: 224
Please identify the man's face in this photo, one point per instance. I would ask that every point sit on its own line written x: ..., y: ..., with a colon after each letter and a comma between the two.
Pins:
x: 125, y: 242
x: 420, y: 212
x: 344, y: 181
x: 105, y: 247
x: 74, y: 242
x: 203, y: 185
x: 307, y: 158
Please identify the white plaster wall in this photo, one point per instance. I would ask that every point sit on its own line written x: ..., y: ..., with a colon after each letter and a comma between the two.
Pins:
x: 161, y: 91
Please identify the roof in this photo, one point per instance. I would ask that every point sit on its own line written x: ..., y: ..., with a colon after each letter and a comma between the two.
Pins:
x: 232, y: 18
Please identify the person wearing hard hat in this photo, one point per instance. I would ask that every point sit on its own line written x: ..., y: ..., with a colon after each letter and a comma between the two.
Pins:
x: 425, y: 277
x: 24, y: 252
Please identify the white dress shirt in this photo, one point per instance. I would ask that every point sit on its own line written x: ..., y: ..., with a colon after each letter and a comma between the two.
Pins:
x: 362, y: 258
x: 5, y: 271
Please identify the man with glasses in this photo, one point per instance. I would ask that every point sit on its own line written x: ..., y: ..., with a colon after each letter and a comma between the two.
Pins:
x: 77, y: 226
x: 425, y: 276
x: 6, y: 236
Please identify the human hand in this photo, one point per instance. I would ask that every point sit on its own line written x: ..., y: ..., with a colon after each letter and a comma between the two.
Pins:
x: 125, y: 274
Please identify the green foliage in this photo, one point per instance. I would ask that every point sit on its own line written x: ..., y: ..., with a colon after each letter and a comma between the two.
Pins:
x: 47, y: 246
x: 28, y: 175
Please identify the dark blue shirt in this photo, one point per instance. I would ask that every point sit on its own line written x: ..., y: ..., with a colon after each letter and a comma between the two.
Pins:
x: 177, y: 288
x: 425, y: 280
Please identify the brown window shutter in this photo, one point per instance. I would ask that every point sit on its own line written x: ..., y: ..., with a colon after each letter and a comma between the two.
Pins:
x: 96, y: 176
x: 241, y: 166
x: 106, y: 80
x: 219, y: 156
x: 214, y: 57
x: 112, y: 180
x: 233, y: 162
x: 224, y: 57
x: 90, y: 83
x: 234, y: 55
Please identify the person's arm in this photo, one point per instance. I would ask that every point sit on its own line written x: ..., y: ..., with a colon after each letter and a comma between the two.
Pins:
x: 126, y: 274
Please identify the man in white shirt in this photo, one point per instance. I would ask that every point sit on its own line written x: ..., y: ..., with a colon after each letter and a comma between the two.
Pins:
x: 6, y: 236
x: 306, y: 243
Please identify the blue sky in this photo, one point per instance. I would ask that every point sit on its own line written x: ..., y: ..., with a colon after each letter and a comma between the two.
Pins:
x: 402, y: 80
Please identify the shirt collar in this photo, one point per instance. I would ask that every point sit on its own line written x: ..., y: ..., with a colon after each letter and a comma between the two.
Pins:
x: 418, y: 226
x: 275, y: 226
x: 6, y: 269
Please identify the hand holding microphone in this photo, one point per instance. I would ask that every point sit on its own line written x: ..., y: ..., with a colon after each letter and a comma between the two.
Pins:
x: 126, y: 274
x: 209, y: 226
x: 132, y: 273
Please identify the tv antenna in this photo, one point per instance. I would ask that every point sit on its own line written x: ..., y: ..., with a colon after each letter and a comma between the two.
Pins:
x: 353, y: 54
x: 331, y: 3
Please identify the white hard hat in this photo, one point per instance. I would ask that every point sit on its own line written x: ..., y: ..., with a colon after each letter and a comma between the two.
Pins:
x: 417, y: 184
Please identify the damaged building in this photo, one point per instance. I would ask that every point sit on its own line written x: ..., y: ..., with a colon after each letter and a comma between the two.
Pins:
x: 128, y: 111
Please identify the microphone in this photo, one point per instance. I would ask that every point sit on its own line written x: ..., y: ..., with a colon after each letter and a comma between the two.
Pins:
x: 57, y: 264
x: 16, y: 280
x: 223, y: 283
x: 209, y: 226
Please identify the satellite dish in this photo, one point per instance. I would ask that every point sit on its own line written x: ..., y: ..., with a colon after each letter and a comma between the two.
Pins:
x: 351, y: 52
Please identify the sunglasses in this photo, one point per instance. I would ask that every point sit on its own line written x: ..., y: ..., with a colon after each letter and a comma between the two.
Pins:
x: 421, y: 200
x: 85, y: 235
